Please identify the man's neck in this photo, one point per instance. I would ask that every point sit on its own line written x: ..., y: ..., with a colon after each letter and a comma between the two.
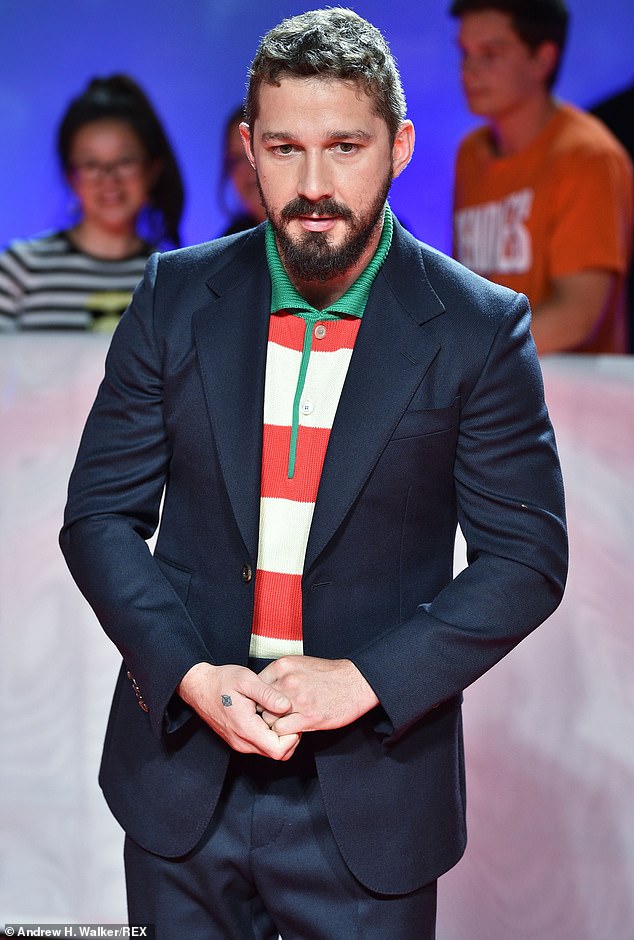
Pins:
x: 321, y: 294
x: 515, y: 131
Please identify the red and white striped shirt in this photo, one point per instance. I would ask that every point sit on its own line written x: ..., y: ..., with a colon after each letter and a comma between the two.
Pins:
x: 308, y: 355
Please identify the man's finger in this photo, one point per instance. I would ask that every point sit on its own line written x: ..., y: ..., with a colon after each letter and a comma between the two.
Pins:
x: 257, y: 737
x: 290, y: 724
x: 267, y: 697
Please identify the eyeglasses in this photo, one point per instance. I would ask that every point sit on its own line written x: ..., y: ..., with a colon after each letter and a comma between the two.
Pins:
x: 91, y: 171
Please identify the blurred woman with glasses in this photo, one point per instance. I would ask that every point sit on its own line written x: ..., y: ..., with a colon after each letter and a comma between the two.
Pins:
x: 120, y: 166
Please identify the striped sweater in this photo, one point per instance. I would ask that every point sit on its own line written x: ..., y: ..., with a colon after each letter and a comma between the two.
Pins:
x: 308, y: 355
x: 45, y: 283
x: 290, y: 475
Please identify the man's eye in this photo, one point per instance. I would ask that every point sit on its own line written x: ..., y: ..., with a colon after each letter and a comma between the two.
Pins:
x: 494, y: 54
x: 346, y: 147
x: 284, y: 149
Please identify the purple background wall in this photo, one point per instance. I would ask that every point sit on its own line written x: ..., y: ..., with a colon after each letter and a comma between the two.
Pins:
x: 192, y: 58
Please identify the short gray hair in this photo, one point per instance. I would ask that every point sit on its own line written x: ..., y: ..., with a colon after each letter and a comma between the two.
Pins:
x: 333, y: 43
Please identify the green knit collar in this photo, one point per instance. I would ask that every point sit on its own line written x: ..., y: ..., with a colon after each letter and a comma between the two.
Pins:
x: 284, y: 296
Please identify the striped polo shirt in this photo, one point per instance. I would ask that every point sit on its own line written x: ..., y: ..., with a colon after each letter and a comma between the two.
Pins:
x: 308, y: 355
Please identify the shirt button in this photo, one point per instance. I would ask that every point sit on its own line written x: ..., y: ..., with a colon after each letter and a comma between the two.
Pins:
x: 247, y: 573
x: 320, y: 331
x: 307, y: 407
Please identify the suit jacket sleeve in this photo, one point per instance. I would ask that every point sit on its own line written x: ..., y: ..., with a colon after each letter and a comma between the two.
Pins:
x: 511, y: 511
x: 113, y: 506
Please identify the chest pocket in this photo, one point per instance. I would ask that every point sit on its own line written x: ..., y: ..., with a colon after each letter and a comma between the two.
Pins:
x: 418, y: 422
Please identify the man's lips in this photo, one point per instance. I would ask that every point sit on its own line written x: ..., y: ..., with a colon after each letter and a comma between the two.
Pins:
x: 314, y: 223
x: 474, y: 92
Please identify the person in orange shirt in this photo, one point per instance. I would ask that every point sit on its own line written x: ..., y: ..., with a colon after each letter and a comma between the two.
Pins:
x: 543, y: 191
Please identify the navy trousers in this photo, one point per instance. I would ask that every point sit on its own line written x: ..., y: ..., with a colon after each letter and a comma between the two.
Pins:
x: 268, y: 865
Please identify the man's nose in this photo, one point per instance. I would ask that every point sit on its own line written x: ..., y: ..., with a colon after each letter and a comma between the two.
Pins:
x: 470, y: 64
x: 315, y: 181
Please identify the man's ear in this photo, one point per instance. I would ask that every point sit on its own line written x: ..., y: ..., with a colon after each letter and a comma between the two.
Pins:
x: 403, y: 147
x: 546, y: 57
x: 245, y: 133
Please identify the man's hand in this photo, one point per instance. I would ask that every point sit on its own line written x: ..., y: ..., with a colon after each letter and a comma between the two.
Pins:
x: 572, y: 311
x: 325, y: 693
x: 226, y: 698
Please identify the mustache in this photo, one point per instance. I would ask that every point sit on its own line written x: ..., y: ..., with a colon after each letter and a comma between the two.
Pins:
x: 299, y: 207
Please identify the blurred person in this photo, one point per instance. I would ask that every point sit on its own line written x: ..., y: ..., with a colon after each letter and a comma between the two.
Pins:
x: 617, y: 112
x: 238, y: 174
x: 543, y: 191
x: 119, y: 164
x: 321, y: 399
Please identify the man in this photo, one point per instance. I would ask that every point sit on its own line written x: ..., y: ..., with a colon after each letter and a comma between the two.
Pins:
x: 617, y: 112
x: 543, y: 192
x: 320, y: 399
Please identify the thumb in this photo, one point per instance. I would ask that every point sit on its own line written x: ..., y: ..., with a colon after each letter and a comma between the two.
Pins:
x: 269, y: 698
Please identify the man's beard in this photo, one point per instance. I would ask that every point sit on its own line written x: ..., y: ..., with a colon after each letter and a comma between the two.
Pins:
x: 310, y: 256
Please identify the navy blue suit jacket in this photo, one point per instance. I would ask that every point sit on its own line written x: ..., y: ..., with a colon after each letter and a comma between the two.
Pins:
x: 441, y: 420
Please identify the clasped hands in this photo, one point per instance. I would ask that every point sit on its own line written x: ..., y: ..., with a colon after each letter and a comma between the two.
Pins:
x: 271, y: 710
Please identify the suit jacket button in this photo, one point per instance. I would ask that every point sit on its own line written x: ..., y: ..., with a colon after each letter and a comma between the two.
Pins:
x: 247, y: 573
x: 137, y: 692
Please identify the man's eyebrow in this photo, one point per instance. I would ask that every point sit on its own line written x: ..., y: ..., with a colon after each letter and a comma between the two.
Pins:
x: 351, y: 135
x: 493, y: 43
x: 503, y: 41
x: 278, y: 135
x: 344, y: 134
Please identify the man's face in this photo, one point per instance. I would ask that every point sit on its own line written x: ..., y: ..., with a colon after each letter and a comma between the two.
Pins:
x: 242, y: 174
x: 325, y: 164
x: 500, y: 73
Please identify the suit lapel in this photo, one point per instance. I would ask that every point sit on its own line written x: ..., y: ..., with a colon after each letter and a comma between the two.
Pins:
x: 230, y: 334
x: 391, y: 356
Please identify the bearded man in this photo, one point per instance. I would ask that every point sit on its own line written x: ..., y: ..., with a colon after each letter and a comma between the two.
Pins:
x: 317, y: 403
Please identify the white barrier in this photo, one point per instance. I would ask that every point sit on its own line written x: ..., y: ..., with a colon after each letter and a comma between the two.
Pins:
x: 549, y: 731
x: 60, y: 850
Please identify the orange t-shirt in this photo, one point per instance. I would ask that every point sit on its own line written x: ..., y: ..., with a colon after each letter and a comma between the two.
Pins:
x: 563, y: 205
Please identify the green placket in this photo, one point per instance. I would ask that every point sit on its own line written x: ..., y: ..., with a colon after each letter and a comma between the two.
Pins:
x: 310, y: 319
x: 284, y: 296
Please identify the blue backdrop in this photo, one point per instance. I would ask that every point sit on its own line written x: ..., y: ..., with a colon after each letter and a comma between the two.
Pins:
x: 192, y: 58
